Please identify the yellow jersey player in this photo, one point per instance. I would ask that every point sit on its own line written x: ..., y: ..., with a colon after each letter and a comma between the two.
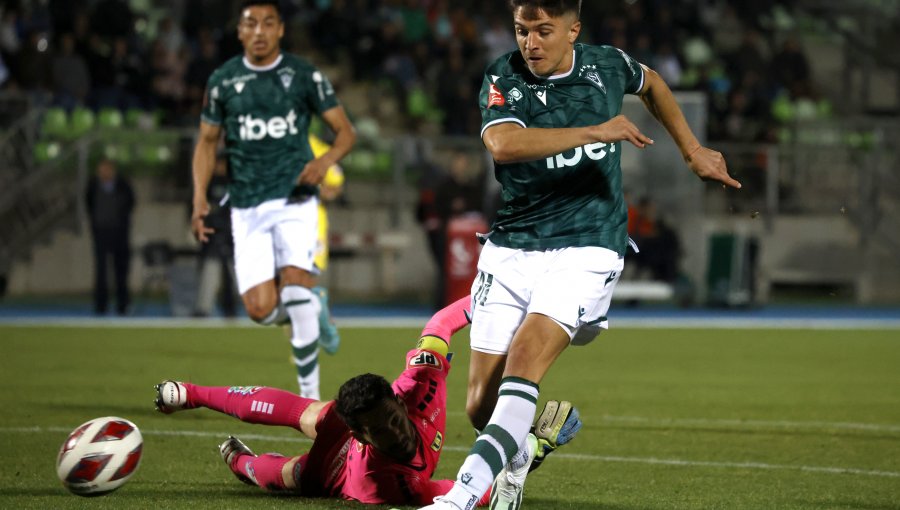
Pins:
x: 330, y: 189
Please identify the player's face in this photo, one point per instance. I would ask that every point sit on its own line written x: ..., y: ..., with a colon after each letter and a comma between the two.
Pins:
x: 388, y: 429
x: 546, y: 42
x: 260, y: 30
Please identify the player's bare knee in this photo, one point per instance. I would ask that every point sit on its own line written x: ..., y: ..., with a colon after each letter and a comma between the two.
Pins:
x: 259, y: 313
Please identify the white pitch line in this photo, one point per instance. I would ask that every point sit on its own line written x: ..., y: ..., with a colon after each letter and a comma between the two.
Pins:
x: 558, y: 455
x: 734, y: 423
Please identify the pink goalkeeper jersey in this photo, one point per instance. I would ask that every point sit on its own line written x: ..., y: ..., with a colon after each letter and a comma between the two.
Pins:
x: 340, y: 466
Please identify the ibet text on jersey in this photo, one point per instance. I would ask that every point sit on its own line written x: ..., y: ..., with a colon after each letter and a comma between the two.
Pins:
x: 276, y: 127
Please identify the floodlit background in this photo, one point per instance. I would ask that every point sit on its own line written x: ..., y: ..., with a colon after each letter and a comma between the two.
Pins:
x: 752, y: 360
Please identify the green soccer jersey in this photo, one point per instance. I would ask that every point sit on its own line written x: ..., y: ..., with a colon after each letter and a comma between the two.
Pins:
x: 265, y: 112
x: 573, y: 198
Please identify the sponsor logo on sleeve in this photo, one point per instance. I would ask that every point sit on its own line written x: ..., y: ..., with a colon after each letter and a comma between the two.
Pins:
x: 495, y: 97
x: 438, y: 442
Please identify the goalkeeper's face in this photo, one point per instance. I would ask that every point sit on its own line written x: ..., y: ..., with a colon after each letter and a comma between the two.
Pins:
x: 388, y: 429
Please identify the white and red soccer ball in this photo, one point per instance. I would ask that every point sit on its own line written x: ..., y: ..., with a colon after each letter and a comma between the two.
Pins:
x: 99, y: 456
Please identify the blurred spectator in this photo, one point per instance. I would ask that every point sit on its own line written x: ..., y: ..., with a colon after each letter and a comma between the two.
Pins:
x: 443, y: 195
x: 658, y: 243
x: 4, y: 72
x: 117, y: 75
x: 32, y: 67
x: 112, y: 19
x: 199, y: 69
x: 667, y: 65
x: 110, y: 201
x: 431, y: 53
x: 10, y: 41
x: 498, y: 39
x: 215, y: 264
x: 750, y: 57
x: 789, y: 65
x: 71, y: 78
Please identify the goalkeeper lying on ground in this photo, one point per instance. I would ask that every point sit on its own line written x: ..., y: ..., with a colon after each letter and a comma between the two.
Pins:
x: 377, y: 442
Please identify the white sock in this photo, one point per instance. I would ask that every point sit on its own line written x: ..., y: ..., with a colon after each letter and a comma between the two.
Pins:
x: 498, y: 443
x: 302, y: 306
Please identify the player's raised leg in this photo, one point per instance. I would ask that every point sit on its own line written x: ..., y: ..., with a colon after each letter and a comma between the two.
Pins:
x: 251, y: 404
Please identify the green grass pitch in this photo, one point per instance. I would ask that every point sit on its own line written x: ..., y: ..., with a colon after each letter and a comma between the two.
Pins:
x: 674, y: 419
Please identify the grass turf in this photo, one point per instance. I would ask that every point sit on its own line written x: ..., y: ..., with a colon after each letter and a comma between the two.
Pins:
x: 683, y: 419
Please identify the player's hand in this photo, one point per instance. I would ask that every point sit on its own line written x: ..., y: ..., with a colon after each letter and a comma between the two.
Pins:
x: 198, y: 224
x: 709, y: 165
x: 314, y: 172
x: 618, y: 129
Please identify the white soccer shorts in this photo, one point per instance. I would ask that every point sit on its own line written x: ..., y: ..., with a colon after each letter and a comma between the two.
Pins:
x: 572, y: 286
x: 272, y: 235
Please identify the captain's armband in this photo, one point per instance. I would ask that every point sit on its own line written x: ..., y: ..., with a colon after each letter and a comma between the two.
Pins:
x: 433, y: 343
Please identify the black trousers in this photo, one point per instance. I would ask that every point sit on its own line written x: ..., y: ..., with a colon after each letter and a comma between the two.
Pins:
x: 111, y: 244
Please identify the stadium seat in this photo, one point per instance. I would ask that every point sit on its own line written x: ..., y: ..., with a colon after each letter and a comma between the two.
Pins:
x: 81, y: 121
x: 109, y: 118
x: 383, y: 163
x: 417, y: 103
x: 46, y: 151
x: 120, y: 153
x: 55, y: 123
x: 133, y: 117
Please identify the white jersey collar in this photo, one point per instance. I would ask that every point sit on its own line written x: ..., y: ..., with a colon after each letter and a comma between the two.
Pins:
x: 269, y: 67
x: 567, y: 73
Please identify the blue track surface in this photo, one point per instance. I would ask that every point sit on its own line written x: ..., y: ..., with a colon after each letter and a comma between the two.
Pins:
x: 657, y: 316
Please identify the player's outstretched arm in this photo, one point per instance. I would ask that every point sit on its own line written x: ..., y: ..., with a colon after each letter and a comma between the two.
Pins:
x: 659, y: 100
x: 443, y: 324
x: 511, y: 143
x: 202, y: 169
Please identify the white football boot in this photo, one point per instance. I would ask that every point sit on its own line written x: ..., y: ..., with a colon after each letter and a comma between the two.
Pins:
x: 230, y: 449
x: 440, y: 504
x: 509, y: 486
x: 171, y: 396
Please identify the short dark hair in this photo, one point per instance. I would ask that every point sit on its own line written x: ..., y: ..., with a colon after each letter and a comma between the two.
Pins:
x: 253, y: 3
x: 361, y: 394
x: 553, y: 8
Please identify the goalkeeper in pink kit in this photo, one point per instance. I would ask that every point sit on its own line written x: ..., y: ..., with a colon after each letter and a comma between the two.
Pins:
x: 376, y: 443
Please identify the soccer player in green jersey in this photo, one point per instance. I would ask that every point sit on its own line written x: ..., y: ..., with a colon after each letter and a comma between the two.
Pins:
x: 263, y: 101
x: 551, y: 118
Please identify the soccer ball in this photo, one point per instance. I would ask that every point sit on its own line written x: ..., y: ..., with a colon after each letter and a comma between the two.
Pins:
x: 99, y: 456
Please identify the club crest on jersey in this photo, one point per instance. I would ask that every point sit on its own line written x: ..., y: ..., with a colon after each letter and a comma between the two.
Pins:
x: 514, y: 95
x: 286, y: 74
x: 425, y: 359
x: 594, y: 76
x: 589, y: 71
x: 495, y: 97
